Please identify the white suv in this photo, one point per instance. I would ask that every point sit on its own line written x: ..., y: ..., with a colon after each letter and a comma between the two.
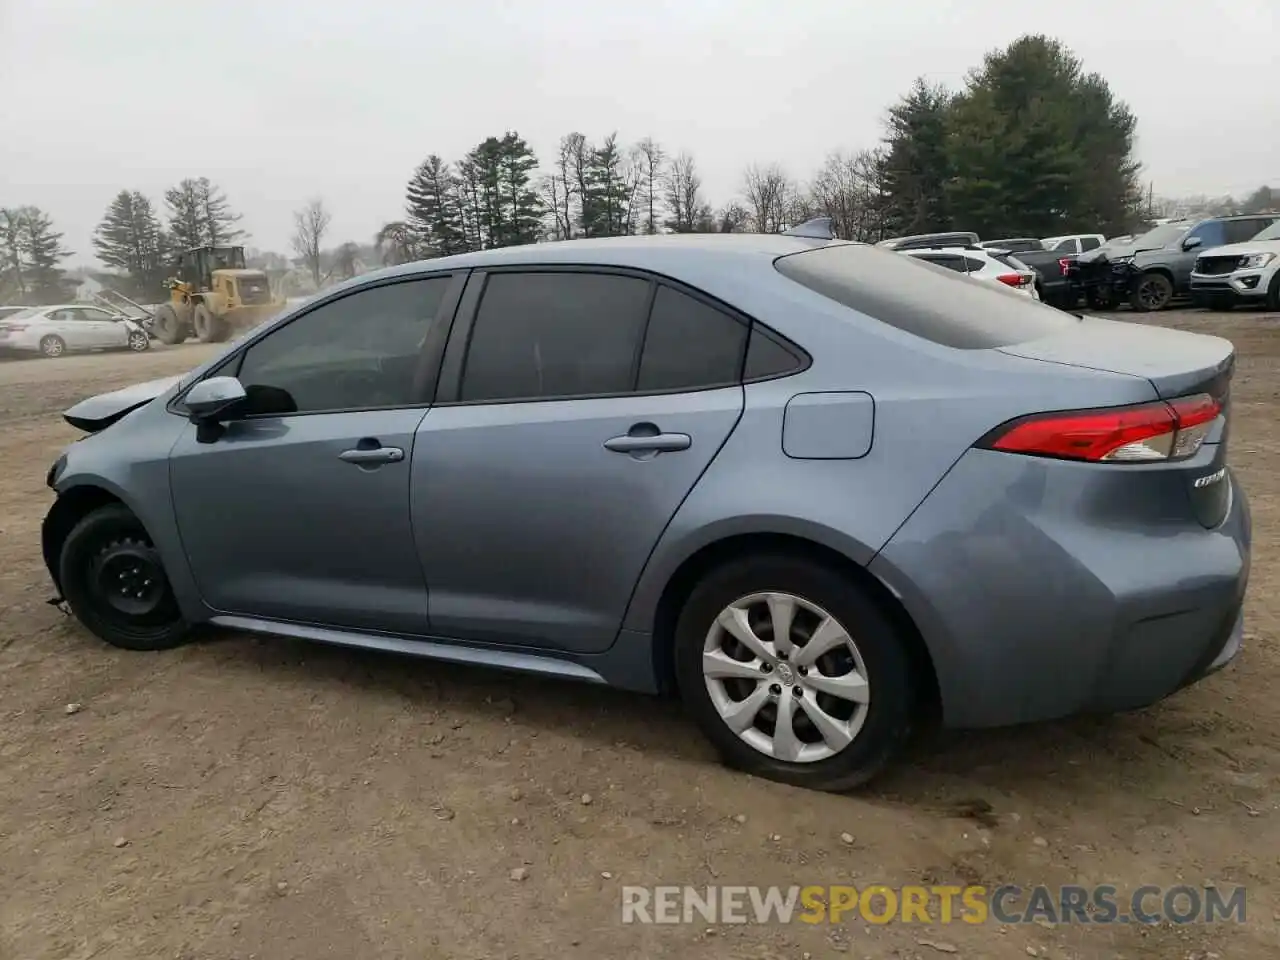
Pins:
x: 1247, y: 272
x: 994, y: 266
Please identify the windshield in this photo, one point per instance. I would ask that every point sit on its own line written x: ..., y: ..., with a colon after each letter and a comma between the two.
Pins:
x: 1271, y: 233
x: 1162, y: 236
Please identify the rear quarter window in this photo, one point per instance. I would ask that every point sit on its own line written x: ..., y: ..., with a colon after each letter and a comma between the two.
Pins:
x: 943, y: 309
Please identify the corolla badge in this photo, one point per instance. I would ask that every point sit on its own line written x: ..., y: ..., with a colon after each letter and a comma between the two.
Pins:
x: 1211, y: 478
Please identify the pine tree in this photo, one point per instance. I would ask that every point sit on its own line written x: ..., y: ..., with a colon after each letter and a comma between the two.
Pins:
x: 522, y: 217
x: 31, y: 252
x: 130, y: 239
x: 916, y: 166
x: 1038, y: 147
x: 200, y: 215
x: 608, y: 192
x: 186, y: 217
x: 219, y: 219
x: 432, y: 202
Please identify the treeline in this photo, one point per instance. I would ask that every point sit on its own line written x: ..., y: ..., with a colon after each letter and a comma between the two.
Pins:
x: 1031, y: 145
x: 133, y: 239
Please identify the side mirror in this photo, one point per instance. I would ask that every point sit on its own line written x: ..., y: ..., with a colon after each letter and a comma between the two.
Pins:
x: 1192, y: 242
x: 211, y: 398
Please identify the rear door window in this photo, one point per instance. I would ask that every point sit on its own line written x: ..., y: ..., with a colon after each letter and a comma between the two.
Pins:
x: 886, y: 287
x: 950, y: 261
x: 690, y: 345
x: 1240, y: 231
x: 1089, y: 243
x: 554, y: 335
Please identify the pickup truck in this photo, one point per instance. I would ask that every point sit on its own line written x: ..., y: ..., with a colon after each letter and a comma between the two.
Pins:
x: 1152, y: 270
x: 1053, y: 282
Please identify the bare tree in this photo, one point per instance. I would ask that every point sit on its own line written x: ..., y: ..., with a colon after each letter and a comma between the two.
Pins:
x: 683, y: 189
x: 733, y: 217
x: 310, y: 224
x: 649, y: 161
x: 769, y: 193
x: 850, y: 189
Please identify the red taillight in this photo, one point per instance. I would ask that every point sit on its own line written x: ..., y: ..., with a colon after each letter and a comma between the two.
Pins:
x: 1064, y: 265
x: 1014, y: 279
x: 1152, y: 431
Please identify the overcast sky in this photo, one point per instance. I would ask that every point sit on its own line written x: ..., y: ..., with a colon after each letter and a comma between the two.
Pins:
x: 281, y: 100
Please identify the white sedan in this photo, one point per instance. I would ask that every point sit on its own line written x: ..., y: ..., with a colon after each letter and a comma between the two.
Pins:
x: 53, y: 331
x: 996, y: 266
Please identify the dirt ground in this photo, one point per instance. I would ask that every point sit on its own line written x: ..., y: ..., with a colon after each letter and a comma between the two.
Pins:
x: 262, y: 798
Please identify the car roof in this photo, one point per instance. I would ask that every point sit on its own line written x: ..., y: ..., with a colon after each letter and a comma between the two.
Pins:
x: 657, y: 253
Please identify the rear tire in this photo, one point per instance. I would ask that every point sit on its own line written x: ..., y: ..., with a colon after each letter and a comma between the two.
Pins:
x: 53, y: 346
x: 855, y: 734
x: 1152, y: 293
x: 113, y: 579
x: 168, y: 327
x: 208, y: 328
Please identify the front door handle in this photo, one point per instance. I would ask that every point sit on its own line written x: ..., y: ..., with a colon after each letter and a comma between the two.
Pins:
x: 372, y: 456
x: 652, y: 443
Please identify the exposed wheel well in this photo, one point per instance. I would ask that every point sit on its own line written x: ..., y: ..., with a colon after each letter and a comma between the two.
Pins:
x: 68, y: 510
x: 686, y: 577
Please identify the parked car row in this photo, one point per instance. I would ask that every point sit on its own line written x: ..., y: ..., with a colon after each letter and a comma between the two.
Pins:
x: 1048, y: 260
x: 53, y: 331
x: 1153, y: 270
x: 1217, y: 262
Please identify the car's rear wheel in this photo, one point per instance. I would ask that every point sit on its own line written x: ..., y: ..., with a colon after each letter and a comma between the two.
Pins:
x: 53, y: 346
x: 115, y: 582
x: 1153, y: 292
x: 793, y: 673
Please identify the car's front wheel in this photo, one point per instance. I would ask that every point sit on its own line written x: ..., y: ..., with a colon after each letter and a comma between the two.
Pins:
x: 1153, y: 291
x: 793, y: 672
x: 139, y: 342
x: 114, y: 580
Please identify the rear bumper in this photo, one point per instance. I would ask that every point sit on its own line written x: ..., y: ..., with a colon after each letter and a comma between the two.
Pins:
x: 1037, y: 600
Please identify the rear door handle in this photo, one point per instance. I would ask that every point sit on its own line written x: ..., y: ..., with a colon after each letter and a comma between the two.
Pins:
x: 372, y: 456
x: 657, y: 443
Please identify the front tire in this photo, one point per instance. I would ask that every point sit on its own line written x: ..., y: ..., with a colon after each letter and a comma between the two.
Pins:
x: 52, y: 346
x: 1273, y: 293
x: 168, y: 326
x: 793, y: 673
x: 139, y: 342
x: 114, y: 581
x: 1153, y: 292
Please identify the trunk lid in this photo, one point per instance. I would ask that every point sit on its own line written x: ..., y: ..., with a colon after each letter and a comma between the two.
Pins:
x: 1176, y: 363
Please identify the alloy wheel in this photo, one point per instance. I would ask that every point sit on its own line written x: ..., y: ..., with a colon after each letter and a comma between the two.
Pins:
x: 786, y: 677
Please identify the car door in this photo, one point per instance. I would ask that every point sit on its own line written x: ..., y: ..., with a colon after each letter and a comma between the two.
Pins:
x: 299, y: 511
x: 562, y: 441
x: 101, y: 329
x: 65, y: 322
x: 1211, y: 233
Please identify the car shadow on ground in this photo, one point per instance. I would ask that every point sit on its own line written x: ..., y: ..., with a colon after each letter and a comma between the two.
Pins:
x: 1087, y: 752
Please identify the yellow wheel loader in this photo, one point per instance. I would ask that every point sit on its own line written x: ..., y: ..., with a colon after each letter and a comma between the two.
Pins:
x: 212, y: 295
